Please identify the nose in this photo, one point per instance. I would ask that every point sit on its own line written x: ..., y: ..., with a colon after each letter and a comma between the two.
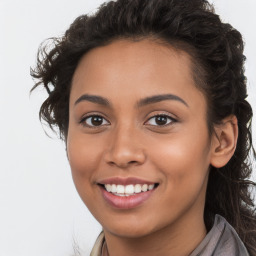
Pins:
x: 125, y: 149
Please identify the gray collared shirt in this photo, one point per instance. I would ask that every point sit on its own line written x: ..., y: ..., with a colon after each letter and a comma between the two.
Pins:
x: 221, y: 240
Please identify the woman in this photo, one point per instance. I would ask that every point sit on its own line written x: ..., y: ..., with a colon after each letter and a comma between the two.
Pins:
x: 150, y: 98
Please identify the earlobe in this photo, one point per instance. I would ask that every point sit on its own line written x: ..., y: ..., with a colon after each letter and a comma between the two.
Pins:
x: 224, y: 141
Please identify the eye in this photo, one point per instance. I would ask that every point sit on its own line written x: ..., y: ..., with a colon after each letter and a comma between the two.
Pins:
x: 160, y: 120
x: 94, y: 121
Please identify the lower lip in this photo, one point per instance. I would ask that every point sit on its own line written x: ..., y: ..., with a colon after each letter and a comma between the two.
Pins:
x: 126, y: 202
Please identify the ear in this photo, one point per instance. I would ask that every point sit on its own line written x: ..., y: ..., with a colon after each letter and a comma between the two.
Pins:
x: 224, y: 139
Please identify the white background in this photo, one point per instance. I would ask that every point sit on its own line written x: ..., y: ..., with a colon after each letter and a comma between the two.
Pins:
x: 40, y: 211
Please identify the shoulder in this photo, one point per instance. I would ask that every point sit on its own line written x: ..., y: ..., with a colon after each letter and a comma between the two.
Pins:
x: 222, y: 240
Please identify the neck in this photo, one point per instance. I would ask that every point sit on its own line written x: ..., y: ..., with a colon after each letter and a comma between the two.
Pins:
x: 179, y: 239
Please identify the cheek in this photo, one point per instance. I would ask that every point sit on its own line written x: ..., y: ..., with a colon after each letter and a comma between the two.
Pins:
x: 84, y: 157
x: 183, y: 160
x: 183, y: 166
x: 83, y: 152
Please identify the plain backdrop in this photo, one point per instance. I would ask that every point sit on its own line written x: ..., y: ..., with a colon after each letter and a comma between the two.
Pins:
x: 40, y: 211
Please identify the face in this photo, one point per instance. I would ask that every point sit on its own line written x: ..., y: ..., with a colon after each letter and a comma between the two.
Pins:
x: 138, y: 143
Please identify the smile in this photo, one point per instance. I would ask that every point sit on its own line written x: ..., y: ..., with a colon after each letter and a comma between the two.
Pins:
x: 128, y: 190
x: 126, y: 193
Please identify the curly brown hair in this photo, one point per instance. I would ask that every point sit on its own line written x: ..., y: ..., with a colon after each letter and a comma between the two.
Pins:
x: 216, y: 49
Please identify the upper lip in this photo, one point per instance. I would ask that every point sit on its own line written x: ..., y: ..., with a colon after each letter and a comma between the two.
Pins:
x: 125, y: 181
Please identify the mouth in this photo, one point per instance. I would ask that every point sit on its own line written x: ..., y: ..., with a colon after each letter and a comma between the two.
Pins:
x: 128, y: 190
x: 126, y: 193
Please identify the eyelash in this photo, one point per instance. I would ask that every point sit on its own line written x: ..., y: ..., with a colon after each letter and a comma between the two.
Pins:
x: 171, y: 120
x: 83, y: 120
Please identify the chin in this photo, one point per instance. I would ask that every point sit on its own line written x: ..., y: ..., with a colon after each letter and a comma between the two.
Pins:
x: 132, y: 232
x: 133, y: 228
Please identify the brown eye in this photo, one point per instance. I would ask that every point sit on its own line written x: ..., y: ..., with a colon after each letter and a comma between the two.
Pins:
x: 94, y: 120
x: 160, y: 120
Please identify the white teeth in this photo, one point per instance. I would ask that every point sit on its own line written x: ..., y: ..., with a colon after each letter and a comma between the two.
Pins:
x: 113, y: 188
x: 151, y: 186
x: 144, y: 187
x: 129, y: 189
x: 137, y: 188
x: 108, y: 187
x: 122, y: 190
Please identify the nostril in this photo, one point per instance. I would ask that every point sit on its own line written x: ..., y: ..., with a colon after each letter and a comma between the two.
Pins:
x: 124, y: 154
x: 123, y: 164
x: 132, y: 162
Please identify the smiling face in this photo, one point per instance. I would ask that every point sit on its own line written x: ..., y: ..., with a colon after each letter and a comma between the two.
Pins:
x: 136, y: 117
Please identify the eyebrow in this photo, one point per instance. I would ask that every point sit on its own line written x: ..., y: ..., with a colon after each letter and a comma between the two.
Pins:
x: 146, y: 101
x: 94, y: 99
x: 159, y: 98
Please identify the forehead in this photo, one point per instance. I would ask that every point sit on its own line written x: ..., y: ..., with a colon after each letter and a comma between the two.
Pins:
x: 134, y: 69
x: 128, y: 54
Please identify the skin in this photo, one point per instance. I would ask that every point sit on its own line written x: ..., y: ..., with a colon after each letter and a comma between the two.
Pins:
x: 129, y: 143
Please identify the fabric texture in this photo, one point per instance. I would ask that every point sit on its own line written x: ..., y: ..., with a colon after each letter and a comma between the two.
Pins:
x: 221, y: 240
